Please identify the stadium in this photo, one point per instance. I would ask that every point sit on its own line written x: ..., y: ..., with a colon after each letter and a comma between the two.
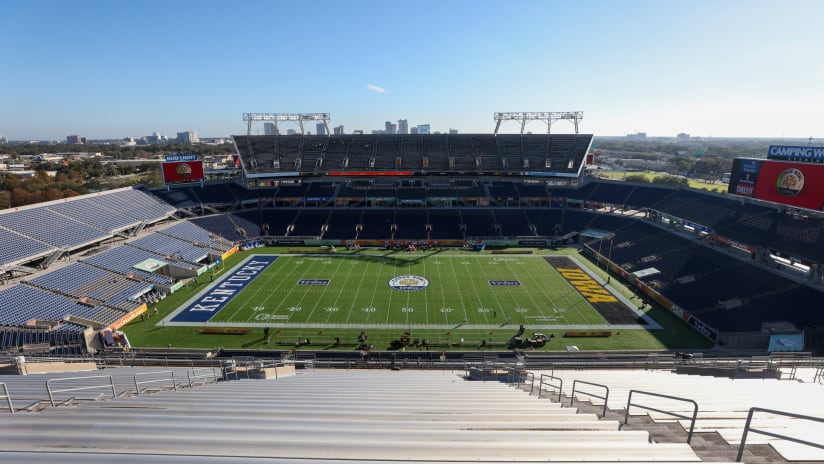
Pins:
x: 492, y: 257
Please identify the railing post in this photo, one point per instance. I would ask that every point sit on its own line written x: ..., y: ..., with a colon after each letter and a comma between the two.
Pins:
x: 7, y: 396
x: 744, y: 436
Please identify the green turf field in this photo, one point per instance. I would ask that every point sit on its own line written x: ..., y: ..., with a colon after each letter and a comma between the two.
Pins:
x: 324, y: 297
x: 355, y: 290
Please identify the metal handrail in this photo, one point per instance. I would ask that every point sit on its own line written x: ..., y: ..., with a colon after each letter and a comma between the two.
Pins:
x: 551, y: 377
x: 747, y: 429
x: 819, y: 374
x: 605, y: 398
x: 7, y: 396
x: 192, y: 376
x: 92, y: 387
x: 674, y: 414
x: 137, y: 383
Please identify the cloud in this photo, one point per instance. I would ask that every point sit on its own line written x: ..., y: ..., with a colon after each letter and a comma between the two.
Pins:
x: 375, y: 88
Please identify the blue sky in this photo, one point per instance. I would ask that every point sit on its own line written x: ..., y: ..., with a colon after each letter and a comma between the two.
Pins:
x: 110, y: 69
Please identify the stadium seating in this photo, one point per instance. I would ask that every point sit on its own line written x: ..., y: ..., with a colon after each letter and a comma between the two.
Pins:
x: 16, y: 248
x: 436, y: 152
x: 190, y: 232
x: 376, y: 224
x: 22, y: 303
x: 179, y: 197
x: 172, y: 249
x: 122, y: 260
x: 50, y: 227
x: 702, y: 208
x: 219, y: 225
x: 329, y: 416
x: 249, y: 224
x: 87, y: 213
x: 309, y: 223
x: 722, y: 405
x: 343, y: 224
x: 643, y: 196
x: 133, y: 203
x: 445, y: 224
x: 512, y: 223
x: 611, y: 193
x: 479, y: 223
x: 410, y: 224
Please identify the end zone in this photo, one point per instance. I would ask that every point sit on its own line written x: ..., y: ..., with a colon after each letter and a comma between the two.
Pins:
x: 615, y: 309
x: 209, y: 302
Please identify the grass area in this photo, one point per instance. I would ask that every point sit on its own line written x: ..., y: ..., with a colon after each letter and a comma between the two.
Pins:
x: 693, y: 183
x: 459, y: 304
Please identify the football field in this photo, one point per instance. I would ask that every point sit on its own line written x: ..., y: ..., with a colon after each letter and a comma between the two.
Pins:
x: 409, y: 290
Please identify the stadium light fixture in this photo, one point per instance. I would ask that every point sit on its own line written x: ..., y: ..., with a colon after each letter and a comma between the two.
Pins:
x: 549, y: 117
x: 250, y: 118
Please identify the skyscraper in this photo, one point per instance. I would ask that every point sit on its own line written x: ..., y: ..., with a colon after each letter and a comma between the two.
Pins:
x: 320, y: 129
x: 390, y: 128
x: 338, y: 130
x: 403, y: 126
x: 75, y: 139
x: 423, y: 129
x: 269, y: 128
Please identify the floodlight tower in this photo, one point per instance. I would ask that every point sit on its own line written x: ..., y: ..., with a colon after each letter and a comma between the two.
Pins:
x: 250, y: 118
x: 549, y: 117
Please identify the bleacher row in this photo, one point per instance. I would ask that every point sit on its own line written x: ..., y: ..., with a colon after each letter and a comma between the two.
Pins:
x: 28, y: 233
x: 319, y: 416
x: 723, y: 404
x: 463, y: 153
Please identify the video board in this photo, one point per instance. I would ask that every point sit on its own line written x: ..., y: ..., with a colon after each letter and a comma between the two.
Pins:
x: 182, y: 171
x: 794, y: 184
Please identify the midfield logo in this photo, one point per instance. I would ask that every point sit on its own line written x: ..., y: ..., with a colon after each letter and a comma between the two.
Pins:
x: 408, y: 283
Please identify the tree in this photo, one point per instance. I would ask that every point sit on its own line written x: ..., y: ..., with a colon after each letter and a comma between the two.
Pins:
x: 637, y: 178
x: 670, y: 180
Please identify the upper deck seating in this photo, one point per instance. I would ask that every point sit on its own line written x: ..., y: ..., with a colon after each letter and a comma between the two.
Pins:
x: 15, y: 248
x: 50, y: 227
x: 133, y: 203
x: 192, y: 233
x: 90, y: 214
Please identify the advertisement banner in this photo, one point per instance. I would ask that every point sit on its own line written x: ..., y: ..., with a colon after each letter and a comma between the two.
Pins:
x: 786, y: 342
x: 120, y: 323
x: 744, y: 177
x: 796, y: 153
x: 182, y: 171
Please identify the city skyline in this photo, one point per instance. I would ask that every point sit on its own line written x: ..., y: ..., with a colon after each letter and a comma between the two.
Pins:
x: 108, y: 70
